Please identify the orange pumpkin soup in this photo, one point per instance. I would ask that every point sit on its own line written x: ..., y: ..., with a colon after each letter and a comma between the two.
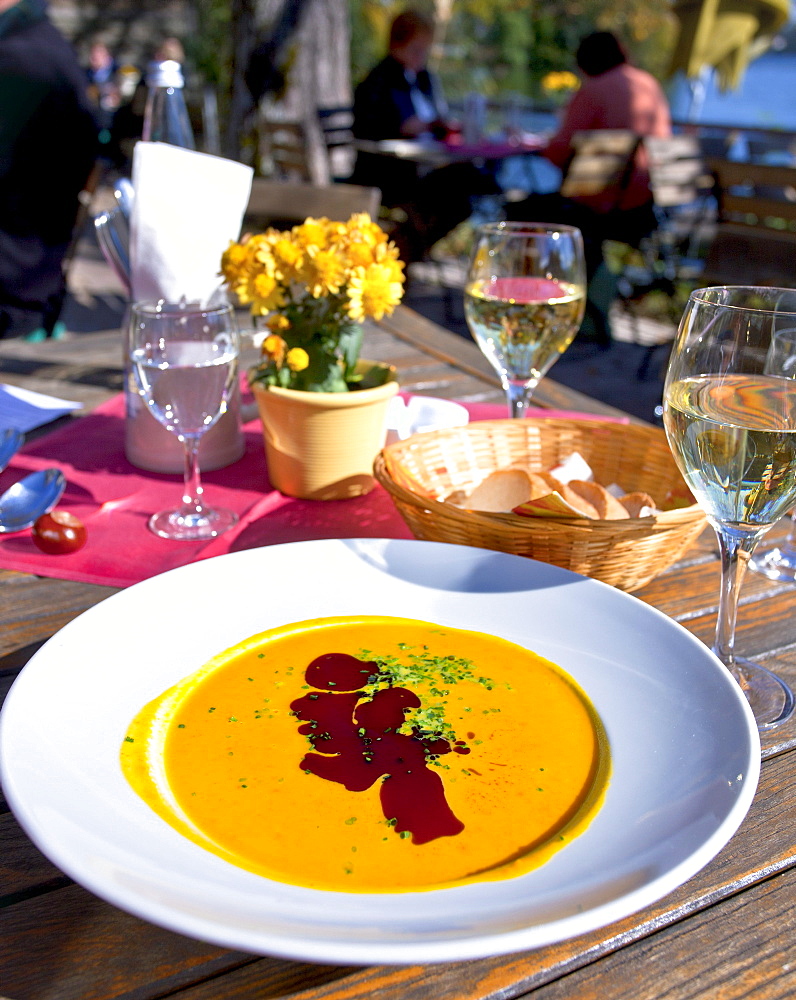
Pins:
x: 373, y: 754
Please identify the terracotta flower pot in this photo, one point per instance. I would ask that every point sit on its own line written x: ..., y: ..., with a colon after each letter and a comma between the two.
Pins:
x: 321, y: 445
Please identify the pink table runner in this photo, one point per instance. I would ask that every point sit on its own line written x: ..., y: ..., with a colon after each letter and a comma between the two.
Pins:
x: 114, y: 500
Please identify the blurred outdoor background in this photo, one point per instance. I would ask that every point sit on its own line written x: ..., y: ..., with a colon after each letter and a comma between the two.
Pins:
x: 518, y: 56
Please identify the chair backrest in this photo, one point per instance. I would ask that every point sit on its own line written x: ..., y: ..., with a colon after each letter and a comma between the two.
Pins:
x: 293, y: 150
x: 755, y: 239
x: 285, y: 203
x: 601, y: 161
x: 337, y: 126
x: 759, y: 195
x: 678, y: 173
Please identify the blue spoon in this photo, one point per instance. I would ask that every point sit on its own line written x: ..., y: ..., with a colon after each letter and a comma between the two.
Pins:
x: 25, y: 501
x: 10, y: 442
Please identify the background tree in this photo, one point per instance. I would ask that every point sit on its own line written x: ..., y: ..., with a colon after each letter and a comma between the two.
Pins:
x: 290, y: 58
x: 314, y: 50
x: 132, y: 29
x: 503, y: 46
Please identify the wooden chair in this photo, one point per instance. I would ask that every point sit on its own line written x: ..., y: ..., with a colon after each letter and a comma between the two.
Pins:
x: 678, y: 173
x: 293, y: 150
x: 337, y: 126
x: 285, y: 203
x: 602, y: 160
x: 681, y: 187
x: 755, y: 237
x: 600, y: 165
x: 682, y: 191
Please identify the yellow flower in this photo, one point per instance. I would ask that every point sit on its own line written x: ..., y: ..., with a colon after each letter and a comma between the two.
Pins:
x: 387, y: 251
x: 233, y: 260
x: 286, y: 276
x: 311, y: 233
x: 266, y: 294
x: 297, y: 359
x: 277, y: 322
x: 361, y: 227
x: 329, y: 273
x: 274, y: 348
x: 375, y: 290
x: 560, y: 80
x: 288, y: 258
x: 241, y: 288
x: 360, y: 254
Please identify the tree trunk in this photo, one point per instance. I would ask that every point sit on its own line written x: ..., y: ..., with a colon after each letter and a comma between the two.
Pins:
x: 241, y: 104
x: 315, y: 61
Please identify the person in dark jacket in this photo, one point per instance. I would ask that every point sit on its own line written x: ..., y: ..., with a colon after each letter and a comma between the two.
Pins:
x: 48, y: 146
x: 401, y: 99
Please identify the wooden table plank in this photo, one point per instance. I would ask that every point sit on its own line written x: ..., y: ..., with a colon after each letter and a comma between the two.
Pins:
x: 102, y: 952
x: 721, y: 952
x: 34, y: 608
x: 24, y: 871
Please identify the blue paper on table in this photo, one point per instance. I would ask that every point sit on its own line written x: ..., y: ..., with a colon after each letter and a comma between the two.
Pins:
x: 24, y: 409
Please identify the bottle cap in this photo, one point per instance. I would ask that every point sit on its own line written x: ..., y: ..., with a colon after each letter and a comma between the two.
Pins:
x: 165, y: 74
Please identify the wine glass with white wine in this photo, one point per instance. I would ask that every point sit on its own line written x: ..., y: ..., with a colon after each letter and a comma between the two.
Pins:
x: 779, y: 562
x: 730, y: 418
x: 184, y: 361
x: 524, y: 300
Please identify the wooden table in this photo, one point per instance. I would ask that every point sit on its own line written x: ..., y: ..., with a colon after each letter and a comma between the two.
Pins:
x: 437, y: 154
x: 726, y: 933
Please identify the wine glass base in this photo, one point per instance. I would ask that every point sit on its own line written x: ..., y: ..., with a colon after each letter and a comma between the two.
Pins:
x: 776, y: 564
x: 770, y: 698
x: 188, y: 526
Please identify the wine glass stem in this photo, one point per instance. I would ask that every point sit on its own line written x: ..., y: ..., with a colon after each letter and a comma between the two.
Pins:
x: 192, y: 489
x: 789, y: 545
x: 519, y: 397
x: 735, y: 547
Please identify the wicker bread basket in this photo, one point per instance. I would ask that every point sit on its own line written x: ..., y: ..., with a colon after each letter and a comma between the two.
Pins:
x: 424, y: 469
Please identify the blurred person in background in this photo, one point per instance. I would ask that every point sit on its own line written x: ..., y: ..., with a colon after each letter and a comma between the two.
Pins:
x: 401, y: 99
x: 48, y: 147
x: 614, y: 95
x: 128, y: 121
x: 103, y: 92
x: 101, y: 75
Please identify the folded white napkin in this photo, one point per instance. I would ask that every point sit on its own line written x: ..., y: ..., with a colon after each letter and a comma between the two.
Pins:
x: 422, y: 413
x: 187, y: 208
x: 24, y: 409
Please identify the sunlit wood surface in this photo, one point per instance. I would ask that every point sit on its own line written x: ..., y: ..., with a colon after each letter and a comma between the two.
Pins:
x: 728, y: 932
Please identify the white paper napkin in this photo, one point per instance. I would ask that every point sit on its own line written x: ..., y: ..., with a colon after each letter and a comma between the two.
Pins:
x: 422, y: 413
x: 24, y: 409
x: 187, y: 208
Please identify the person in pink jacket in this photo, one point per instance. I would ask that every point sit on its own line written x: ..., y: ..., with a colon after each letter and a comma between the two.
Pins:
x: 614, y: 95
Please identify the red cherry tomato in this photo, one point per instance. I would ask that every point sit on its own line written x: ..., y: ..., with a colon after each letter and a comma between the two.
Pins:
x: 59, y: 533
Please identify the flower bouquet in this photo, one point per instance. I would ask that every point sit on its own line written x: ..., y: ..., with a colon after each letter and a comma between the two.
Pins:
x: 312, y: 287
x: 559, y: 85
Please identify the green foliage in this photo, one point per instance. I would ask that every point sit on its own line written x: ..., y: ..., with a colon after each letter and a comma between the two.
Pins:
x: 508, y: 46
x: 332, y: 343
x: 209, y: 50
